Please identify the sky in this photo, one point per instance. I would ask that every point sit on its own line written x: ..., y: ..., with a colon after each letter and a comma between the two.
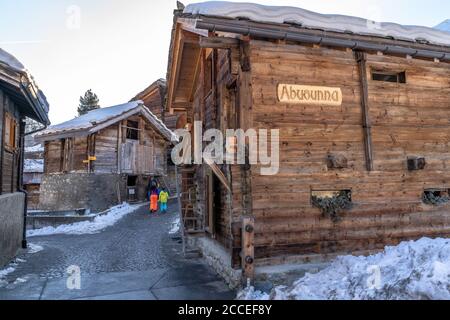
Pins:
x: 119, y: 47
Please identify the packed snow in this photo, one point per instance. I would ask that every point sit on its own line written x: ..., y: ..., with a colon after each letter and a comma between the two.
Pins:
x: 34, y: 248
x: 100, y: 223
x: 33, y: 165
x: 93, y: 118
x: 313, y: 20
x: 414, y: 270
x: 175, y: 226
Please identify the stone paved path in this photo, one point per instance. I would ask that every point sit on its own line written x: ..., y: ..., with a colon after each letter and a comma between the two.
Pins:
x: 135, y: 259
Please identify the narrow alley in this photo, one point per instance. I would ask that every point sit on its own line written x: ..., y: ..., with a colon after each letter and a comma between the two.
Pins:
x: 135, y: 259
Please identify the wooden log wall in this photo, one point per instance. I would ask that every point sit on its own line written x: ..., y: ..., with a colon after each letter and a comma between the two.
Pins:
x: 407, y: 119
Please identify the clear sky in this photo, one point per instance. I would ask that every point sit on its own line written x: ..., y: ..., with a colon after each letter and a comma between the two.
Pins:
x: 118, y: 47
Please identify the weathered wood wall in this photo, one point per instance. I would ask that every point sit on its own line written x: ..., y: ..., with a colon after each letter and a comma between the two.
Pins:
x: 407, y: 120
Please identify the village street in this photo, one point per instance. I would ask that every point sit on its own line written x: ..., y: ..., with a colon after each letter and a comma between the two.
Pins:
x: 135, y: 259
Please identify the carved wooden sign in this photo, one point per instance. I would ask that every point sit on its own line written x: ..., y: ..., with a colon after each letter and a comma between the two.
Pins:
x: 299, y: 94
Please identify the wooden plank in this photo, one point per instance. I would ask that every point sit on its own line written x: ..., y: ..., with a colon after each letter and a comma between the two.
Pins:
x: 361, y: 59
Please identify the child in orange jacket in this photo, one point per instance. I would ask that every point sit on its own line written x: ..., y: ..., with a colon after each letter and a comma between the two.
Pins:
x: 154, y: 197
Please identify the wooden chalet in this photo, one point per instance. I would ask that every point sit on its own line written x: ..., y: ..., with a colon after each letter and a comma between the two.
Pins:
x: 363, y: 111
x: 103, y: 158
x: 20, y: 98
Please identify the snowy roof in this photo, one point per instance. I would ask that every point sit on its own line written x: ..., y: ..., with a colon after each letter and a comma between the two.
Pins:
x: 312, y: 20
x: 444, y: 26
x: 23, y: 80
x: 11, y: 61
x: 33, y: 166
x: 93, y: 121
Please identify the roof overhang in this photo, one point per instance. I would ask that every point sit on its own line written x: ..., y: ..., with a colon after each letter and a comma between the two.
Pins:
x: 184, y: 61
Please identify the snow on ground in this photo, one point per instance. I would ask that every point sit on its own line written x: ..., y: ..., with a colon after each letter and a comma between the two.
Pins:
x: 414, y: 270
x: 175, y: 226
x: 88, y: 227
x: 34, y: 248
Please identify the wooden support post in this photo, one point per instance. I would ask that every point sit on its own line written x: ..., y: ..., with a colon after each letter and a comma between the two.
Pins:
x: 248, y: 249
x: 361, y: 59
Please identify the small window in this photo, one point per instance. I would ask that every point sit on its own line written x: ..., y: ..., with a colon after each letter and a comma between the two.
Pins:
x: 132, y: 181
x: 10, y: 133
x: 133, y: 130
x: 389, y: 77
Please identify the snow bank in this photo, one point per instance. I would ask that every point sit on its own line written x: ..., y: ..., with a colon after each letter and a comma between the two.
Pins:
x: 413, y: 270
x: 313, y: 20
x: 88, y: 227
x: 175, y: 226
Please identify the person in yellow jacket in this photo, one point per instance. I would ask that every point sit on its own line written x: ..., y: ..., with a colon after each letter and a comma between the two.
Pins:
x: 164, y: 199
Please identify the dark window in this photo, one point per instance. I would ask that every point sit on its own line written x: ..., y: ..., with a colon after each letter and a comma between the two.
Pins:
x: 389, y: 77
x: 133, y: 130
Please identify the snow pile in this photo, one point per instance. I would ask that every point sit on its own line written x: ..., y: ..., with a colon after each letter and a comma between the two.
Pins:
x: 312, y: 20
x: 444, y: 26
x: 33, y: 165
x: 175, y: 226
x: 417, y: 270
x: 100, y: 223
x: 11, y: 61
x: 34, y: 248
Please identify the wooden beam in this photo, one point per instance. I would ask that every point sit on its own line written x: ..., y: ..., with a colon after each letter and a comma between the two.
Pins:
x: 248, y: 249
x: 219, y: 43
x: 361, y: 60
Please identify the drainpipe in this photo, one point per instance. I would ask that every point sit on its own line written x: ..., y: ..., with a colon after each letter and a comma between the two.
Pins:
x: 20, y: 177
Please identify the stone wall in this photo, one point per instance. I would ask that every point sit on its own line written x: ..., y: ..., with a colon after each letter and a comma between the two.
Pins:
x: 11, y: 225
x: 97, y: 192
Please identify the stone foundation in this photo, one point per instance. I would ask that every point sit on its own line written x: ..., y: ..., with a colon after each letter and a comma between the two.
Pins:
x: 219, y: 259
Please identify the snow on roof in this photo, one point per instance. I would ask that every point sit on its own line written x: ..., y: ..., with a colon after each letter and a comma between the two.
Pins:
x: 444, y: 26
x: 33, y: 166
x: 313, y: 20
x: 100, y: 116
x: 8, y: 61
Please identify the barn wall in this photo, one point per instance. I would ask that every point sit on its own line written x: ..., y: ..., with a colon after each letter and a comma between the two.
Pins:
x: 408, y: 119
x: 106, y: 142
x: 10, y: 159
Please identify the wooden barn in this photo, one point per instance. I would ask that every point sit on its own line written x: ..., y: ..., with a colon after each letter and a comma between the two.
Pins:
x: 102, y: 158
x: 363, y: 110
x: 20, y: 98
